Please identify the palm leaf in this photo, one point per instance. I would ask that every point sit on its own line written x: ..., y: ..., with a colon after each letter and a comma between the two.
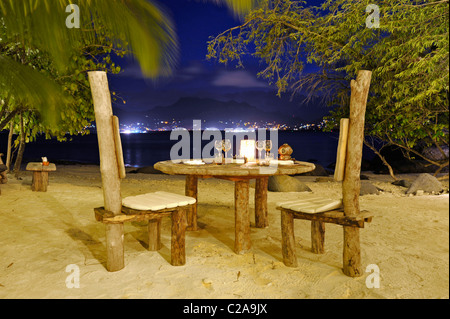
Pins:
x: 239, y: 7
x: 144, y: 28
x: 31, y: 89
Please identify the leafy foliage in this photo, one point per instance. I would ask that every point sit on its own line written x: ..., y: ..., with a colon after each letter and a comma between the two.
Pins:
x: 408, y: 55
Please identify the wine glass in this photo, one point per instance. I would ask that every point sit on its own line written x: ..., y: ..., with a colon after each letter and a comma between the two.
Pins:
x: 268, y: 146
x: 226, y: 146
x: 260, y: 145
x: 218, y: 144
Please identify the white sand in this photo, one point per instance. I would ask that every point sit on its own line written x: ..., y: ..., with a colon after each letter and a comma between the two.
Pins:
x: 42, y: 233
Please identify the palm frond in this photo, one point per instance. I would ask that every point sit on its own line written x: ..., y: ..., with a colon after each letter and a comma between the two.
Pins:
x: 141, y: 26
x: 30, y: 89
x: 238, y: 7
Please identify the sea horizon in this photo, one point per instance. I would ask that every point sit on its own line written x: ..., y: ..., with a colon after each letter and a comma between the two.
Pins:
x: 146, y: 149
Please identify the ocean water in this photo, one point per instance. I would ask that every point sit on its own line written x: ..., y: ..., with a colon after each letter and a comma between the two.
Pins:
x: 140, y: 150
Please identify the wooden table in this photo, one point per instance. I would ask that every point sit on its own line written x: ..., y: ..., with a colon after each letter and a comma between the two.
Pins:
x: 241, y: 175
x: 40, y: 175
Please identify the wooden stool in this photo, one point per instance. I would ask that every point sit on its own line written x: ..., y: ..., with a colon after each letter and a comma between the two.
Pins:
x: 152, y: 207
x: 40, y: 175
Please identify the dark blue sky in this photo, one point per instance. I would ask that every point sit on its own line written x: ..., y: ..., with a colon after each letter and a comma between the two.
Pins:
x: 195, y: 22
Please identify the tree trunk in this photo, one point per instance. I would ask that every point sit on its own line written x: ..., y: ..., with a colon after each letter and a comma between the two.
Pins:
x: 9, y: 150
x: 19, y: 158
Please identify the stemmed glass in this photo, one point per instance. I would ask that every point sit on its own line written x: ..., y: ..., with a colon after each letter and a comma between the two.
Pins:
x: 260, y: 145
x: 218, y: 145
x: 268, y: 146
x: 226, y: 146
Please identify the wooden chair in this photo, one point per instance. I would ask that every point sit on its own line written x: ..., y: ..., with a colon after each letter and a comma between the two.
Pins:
x: 345, y: 212
x: 150, y: 207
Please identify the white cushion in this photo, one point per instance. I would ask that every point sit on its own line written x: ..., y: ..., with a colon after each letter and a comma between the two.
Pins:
x: 157, y: 201
x: 311, y: 205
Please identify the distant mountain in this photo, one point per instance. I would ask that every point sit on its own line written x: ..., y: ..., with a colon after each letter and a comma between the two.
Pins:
x: 208, y: 110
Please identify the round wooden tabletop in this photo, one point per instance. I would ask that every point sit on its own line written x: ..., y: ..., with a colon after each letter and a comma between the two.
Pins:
x: 233, y: 169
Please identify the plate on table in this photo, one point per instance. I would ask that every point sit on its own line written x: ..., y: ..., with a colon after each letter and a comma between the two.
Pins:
x: 282, y: 162
x: 194, y: 162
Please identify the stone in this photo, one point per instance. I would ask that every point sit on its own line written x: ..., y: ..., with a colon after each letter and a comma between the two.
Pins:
x: 402, y: 183
x: 368, y: 189
x: 324, y: 179
x: 283, y: 183
x: 426, y: 183
x: 318, y: 171
x: 419, y: 192
x: 435, y: 153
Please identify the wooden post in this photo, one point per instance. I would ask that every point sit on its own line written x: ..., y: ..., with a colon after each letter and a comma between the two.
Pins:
x: 191, y: 191
x: 341, y: 151
x: 39, y: 182
x: 154, y: 234
x: 178, y: 245
x: 288, y: 239
x: 108, y: 167
x: 351, y: 185
x: 261, y: 217
x: 242, y: 218
x: 317, y: 237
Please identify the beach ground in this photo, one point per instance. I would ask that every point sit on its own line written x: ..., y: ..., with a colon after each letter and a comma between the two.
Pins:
x: 45, y: 236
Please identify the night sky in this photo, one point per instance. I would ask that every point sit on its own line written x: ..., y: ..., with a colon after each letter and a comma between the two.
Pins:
x: 195, y: 21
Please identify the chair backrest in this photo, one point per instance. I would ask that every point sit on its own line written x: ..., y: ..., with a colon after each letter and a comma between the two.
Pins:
x: 118, y: 147
x: 342, y: 150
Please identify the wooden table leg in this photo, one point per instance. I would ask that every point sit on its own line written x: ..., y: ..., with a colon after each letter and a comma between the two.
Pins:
x: 40, y: 181
x: 261, y: 217
x: 242, y: 218
x: 191, y: 191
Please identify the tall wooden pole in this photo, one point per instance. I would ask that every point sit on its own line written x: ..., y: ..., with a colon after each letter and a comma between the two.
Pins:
x: 108, y: 167
x: 351, y: 185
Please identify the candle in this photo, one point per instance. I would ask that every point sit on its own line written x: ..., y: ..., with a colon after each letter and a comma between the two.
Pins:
x: 248, y: 149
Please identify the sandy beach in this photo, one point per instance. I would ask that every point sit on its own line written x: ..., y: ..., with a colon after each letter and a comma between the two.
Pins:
x: 43, y: 233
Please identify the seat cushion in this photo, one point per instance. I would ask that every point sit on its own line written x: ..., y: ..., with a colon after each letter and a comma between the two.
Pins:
x: 157, y: 201
x: 311, y: 205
